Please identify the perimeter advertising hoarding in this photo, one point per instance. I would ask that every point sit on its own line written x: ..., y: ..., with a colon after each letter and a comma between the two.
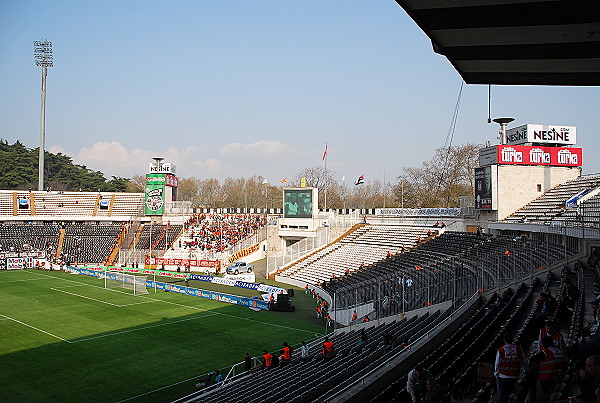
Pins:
x: 155, y: 194
x: 549, y: 134
x: 530, y: 155
x: 215, y: 296
x: 298, y: 203
x: 485, y: 188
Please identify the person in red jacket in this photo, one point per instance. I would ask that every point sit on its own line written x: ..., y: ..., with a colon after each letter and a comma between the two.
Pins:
x: 509, y: 361
x: 286, y: 355
x: 552, y: 365
x: 327, y: 350
x: 267, y: 359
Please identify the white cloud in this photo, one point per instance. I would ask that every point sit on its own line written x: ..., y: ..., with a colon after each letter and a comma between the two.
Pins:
x: 267, y: 158
x: 263, y: 148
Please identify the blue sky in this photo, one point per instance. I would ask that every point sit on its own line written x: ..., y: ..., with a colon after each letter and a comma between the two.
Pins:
x: 241, y: 88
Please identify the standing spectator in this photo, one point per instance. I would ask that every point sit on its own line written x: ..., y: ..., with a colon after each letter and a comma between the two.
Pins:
x: 552, y: 364
x: 327, y: 350
x: 286, y: 355
x: 354, y: 316
x: 267, y: 359
x: 304, y: 352
x: 417, y: 383
x: 570, y: 293
x: 549, y: 329
x: 509, y: 361
x: 546, y: 305
x: 218, y: 377
x: 247, y: 362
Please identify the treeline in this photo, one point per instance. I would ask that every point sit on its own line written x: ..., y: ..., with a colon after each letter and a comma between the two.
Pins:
x: 19, y: 171
x: 438, y: 182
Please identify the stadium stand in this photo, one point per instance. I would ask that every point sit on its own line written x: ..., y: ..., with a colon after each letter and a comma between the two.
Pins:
x: 364, y: 246
x: 60, y: 204
x: 18, y: 237
x: 218, y: 232
x: 550, y: 207
x: 157, y: 237
x: 90, y: 242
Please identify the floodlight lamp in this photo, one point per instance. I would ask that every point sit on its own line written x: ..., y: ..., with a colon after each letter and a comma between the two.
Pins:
x: 501, y: 121
x: 42, y: 52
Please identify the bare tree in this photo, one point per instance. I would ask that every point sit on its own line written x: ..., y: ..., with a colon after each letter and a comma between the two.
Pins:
x: 441, y: 181
x: 318, y: 177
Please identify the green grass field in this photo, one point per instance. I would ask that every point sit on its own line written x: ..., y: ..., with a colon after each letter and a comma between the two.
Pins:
x: 64, y: 338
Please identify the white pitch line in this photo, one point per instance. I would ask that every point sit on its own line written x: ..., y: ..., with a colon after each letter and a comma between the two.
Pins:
x: 35, y: 328
x: 140, y: 328
x: 83, y: 296
x: 138, y: 303
x: 186, y: 306
x: 15, y: 281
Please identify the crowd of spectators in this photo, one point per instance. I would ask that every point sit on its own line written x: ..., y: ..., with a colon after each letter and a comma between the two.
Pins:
x: 217, y: 232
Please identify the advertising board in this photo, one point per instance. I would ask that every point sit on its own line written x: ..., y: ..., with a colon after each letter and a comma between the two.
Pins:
x: 530, y: 155
x: 154, y: 194
x: 485, y: 188
x: 548, y: 134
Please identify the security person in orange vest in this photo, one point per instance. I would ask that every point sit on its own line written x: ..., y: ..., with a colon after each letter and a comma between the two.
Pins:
x: 327, y: 349
x: 509, y: 361
x: 354, y: 316
x: 286, y: 357
x: 552, y: 364
x: 267, y: 359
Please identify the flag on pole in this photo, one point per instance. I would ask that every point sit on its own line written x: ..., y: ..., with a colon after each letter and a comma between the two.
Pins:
x: 360, y: 180
x: 265, y: 181
x: 302, y: 182
x: 284, y: 180
x: 325, y: 153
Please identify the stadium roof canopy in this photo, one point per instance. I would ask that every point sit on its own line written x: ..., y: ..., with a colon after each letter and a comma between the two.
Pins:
x: 514, y: 41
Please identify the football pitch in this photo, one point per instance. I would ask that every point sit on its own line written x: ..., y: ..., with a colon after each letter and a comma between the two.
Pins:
x: 64, y: 338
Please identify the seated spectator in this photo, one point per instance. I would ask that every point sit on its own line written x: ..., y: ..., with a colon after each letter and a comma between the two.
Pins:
x: 416, y: 384
x: 388, y: 340
x: 362, y: 341
x: 435, y: 392
x: 589, y: 381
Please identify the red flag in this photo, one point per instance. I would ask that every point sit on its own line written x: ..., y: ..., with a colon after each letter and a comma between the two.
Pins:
x: 325, y: 153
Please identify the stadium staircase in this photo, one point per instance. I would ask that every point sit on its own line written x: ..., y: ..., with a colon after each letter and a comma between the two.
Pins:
x: 61, y: 241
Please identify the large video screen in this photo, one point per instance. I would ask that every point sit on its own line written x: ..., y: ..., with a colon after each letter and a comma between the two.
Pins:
x: 297, y: 203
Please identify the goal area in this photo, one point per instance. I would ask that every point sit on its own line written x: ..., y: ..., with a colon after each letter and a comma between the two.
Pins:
x: 127, y: 281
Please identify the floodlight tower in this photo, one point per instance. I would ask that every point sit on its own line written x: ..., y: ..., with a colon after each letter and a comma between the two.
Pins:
x: 43, y: 58
x: 503, y: 122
